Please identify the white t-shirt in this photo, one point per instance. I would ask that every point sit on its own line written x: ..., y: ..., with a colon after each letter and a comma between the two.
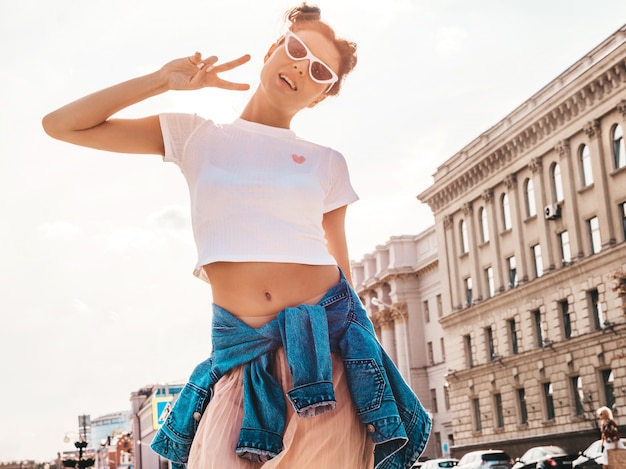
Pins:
x: 258, y: 193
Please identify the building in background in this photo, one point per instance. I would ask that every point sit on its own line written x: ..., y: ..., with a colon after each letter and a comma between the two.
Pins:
x: 530, y: 222
x: 149, y: 408
x: 110, y: 425
x: 399, y: 284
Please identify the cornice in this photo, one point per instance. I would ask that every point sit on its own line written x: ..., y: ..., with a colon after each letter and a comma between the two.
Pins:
x: 607, y: 84
x: 388, y: 276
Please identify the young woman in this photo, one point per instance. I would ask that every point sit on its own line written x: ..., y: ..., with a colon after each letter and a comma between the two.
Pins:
x: 610, y: 435
x: 268, y: 214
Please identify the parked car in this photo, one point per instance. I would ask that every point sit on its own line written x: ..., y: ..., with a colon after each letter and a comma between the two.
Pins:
x: 486, y: 459
x: 590, y: 458
x: 545, y: 457
x: 440, y: 463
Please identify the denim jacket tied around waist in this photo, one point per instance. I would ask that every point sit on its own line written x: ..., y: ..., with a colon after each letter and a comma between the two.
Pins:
x: 394, y: 417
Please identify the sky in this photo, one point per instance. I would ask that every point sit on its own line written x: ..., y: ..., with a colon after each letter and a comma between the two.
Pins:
x: 97, y: 296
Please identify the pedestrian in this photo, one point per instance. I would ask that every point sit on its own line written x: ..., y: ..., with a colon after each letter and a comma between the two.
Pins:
x: 610, y: 435
x: 296, y: 377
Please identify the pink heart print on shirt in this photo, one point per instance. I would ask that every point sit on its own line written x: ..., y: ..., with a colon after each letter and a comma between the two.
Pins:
x: 298, y: 159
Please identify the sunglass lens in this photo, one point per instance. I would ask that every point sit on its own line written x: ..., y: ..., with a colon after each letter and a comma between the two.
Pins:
x: 320, y: 71
x: 295, y: 48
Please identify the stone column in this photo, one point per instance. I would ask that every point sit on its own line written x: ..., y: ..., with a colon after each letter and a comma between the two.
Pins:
x: 547, y: 242
x: 494, y: 241
x: 477, y: 277
x: 388, y: 334
x: 570, y: 210
x: 451, y: 251
x: 521, y: 253
x: 400, y: 318
x: 601, y: 188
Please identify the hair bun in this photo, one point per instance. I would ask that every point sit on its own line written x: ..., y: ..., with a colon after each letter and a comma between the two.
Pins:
x: 304, y: 13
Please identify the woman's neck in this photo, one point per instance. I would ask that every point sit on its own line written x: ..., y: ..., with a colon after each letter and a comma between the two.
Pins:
x: 262, y: 111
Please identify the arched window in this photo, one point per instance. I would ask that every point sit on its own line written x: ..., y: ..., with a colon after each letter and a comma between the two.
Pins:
x: 531, y: 206
x: 557, y: 183
x: 585, y: 165
x: 464, y: 239
x: 484, y: 225
x: 619, y: 151
x: 506, y: 212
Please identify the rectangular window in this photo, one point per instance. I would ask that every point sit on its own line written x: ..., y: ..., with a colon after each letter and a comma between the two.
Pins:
x: 431, y: 355
x: 579, y: 395
x: 433, y: 400
x: 622, y: 212
x: 512, y: 271
x: 548, y: 395
x: 566, y: 255
x: 446, y: 396
x: 521, y: 403
x: 439, y: 306
x: 593, y: 226
x: 491, y: 348
x: 497, y: 404
x: 469, y: 360
x: 566, y: 320
x: 593, y: 300
x: 443, y: 349
x: 609, y: 391
x: 538, y: 327
x: 478, y: 425
x: 491, y: 289
x: 513, y: 337
x: 468, y: 291
x: 537, y: 260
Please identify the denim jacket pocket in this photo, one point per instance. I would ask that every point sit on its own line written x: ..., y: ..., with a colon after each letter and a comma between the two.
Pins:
x: 365, y: 374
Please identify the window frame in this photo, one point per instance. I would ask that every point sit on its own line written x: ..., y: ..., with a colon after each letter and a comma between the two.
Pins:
x: 529, y: 196
x: 557, y: 183
x: 618, y: 148
x: 586, y: 170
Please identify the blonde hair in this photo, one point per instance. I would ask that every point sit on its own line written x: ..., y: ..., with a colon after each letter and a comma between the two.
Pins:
x: 606, y: 410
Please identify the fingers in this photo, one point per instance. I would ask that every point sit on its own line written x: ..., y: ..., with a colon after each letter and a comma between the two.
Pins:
x: 233, y: 63
x: 210, y: 70
x: 207, y: 64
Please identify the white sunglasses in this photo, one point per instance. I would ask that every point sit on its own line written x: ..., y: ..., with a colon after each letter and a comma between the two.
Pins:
x: 319, y: 72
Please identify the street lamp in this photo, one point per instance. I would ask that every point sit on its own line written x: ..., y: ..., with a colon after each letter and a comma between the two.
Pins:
x: 82, y: 462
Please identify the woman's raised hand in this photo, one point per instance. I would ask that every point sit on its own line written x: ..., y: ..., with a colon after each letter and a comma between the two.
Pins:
x: 192, y: 73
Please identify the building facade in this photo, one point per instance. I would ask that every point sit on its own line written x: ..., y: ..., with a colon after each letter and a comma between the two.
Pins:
x: 149, y: 408
x: 399, y: 285
x: 530, y: 221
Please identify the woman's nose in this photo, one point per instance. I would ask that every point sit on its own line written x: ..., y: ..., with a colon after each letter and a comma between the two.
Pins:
x: 299, y: 68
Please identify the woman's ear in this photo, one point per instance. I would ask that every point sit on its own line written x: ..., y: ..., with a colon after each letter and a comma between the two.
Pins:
x: 270, y: 51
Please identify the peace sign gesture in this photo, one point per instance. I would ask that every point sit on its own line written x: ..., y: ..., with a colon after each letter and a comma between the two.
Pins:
x: 192, y: 73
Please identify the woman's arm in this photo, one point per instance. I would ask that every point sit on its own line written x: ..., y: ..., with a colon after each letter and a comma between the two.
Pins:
x: 87, y: 122
x: 335, y: 233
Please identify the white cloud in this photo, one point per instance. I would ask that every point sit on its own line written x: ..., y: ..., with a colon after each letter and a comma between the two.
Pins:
x: 172, y: 217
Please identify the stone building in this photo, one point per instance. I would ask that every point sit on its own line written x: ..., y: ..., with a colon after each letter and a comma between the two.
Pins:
x: 530, y: 222
x: 400, y: 287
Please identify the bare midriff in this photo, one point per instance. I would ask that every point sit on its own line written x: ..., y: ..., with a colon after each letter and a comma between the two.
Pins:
x: 256, y: 292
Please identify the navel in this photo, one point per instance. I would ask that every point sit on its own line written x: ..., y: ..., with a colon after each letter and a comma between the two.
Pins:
x: 268, y: 296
